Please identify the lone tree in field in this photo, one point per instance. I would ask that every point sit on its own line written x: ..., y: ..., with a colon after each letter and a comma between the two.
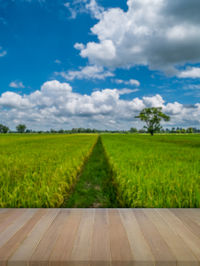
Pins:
x: 152, y: 117
x: 21, y: 128
x: 3, y: 129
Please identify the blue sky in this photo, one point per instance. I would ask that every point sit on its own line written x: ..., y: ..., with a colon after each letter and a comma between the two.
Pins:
x: 99, y: 62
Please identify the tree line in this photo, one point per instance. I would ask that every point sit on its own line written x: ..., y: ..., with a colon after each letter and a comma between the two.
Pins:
x: 5, y: 129
x: 151, y: 116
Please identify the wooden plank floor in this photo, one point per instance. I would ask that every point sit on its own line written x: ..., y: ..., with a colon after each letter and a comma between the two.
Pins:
x: 98, y: 237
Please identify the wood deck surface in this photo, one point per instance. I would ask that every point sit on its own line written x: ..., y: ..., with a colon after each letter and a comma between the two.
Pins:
x: 98, y: 237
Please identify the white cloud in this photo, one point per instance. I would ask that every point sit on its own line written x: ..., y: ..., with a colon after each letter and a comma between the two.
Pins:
x: 192, y: 87
x: 127, y: 91
x: 159, y: 34
x: 79, y: 46
x: 57, y: 61
x: 87, y: 72
x: 94, y: 9
x: 127, y: 82
x: 190, y: 72
x: 134, y: 82
x: 76, y: 7
x: 154, y: 101
x: 2, y: 52
x: 73, y: 11
x: 14, y: 100
x: 56, y: 105
x: 16, y: 84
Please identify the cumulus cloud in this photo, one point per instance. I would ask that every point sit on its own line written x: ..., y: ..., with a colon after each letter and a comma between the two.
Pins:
x: 16, y: 84
x: 14, y: 100
x: 87, y: 72
x: 133, y: 82
x: 56, y: 105
x: 190, y: 72
x: 159, y: 34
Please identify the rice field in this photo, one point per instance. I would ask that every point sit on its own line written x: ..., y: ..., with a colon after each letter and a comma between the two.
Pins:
x: 159, y: 171
x: 124, y: 170
x: 39, y: 170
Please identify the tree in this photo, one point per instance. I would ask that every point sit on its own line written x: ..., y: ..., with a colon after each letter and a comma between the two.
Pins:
x: 183, y: 130
x: 21, y: 128
x: 173, y: 130
x: 152, y: 117
x: 190, y: 130
x: 3, y: 129
x: 133, y: 130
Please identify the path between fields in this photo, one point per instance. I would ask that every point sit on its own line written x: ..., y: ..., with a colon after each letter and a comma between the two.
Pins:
x: 94, y: 187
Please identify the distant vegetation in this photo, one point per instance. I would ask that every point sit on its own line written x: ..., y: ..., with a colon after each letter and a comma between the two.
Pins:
x: 151, y: 116
x: 21, y: 128
x: 5, y: 129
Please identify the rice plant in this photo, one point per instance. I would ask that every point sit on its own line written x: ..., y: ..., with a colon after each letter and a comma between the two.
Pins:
x: 39, y: 170
x: 159, y: 171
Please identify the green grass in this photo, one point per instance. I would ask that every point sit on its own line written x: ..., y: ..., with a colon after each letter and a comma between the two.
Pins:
x: 94, y: 187
x: 158, y: 171
x: 39, y: 170
x: 123, y: 170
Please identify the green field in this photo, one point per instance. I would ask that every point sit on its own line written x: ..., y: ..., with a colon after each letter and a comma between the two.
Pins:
x: 110, y: 170
x: 158, y: 171
x: 39, y: 170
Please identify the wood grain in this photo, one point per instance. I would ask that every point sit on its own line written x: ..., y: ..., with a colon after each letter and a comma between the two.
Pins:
x: 81, y: 252
x: 119, y: 244
x: 99, y: 237
x: 139, y: 247
x: 183, y: 256
x: 100, y: 253
x: 161, y: 251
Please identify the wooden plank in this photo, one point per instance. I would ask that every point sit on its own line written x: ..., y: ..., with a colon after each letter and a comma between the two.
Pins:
x: 183, y: 255
x: 184, y: 216
x: 139, y: 247
x: 194, y: 214
x: 161, y: 251
x: 4, y: 214
x: 16, y: 225
x: 119, y: 244
x: 26, y: 249
x: 64, y: 245
x: 81, y: 252
x: 99, y: 237
x: 10, y: 218
x: 10, y: 246
x: 191, y: 240
x: 3, y: 210
x: 100, y: 254
x: 45, y: 247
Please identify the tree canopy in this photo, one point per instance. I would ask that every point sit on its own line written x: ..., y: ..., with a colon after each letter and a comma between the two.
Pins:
x: 21, y: 128
x: 3, y: 129
x: 152, y: 117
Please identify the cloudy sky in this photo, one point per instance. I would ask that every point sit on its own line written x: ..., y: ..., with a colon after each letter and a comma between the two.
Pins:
x: 98, y: 63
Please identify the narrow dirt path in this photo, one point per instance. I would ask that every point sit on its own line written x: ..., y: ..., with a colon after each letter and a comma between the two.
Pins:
x: 94, y: 188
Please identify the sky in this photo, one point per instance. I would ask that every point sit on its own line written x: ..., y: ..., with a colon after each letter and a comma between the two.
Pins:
x: 98, y: 63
